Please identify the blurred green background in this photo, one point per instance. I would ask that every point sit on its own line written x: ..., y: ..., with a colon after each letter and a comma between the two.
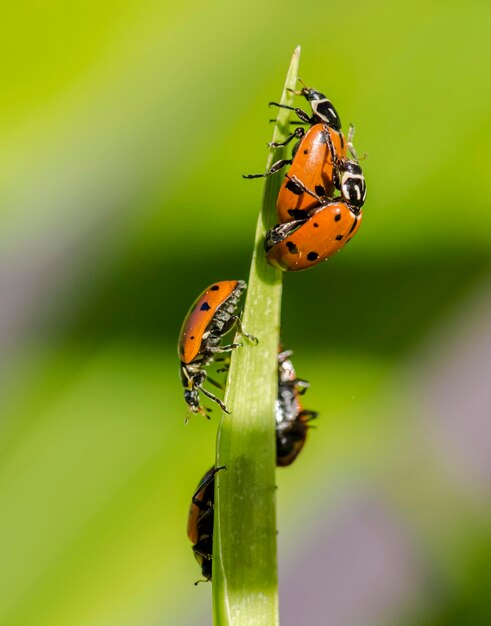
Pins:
x: 125, y: 127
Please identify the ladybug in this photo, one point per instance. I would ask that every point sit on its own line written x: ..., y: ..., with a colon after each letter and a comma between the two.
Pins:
x: 200, y: 522
x: 314, y: 162
x: 291, y: 418
x: 323, y: 114
x: 301, y: 244
x: 210, y: 318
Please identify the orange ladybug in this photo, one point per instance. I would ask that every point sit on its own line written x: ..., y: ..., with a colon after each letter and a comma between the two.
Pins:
x: 211, y: 317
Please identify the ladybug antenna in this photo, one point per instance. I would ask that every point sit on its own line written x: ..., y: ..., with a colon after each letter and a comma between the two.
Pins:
x: 201, y: 580
x: 300, y: 92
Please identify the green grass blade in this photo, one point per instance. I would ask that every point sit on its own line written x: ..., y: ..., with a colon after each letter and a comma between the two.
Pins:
x: 244, y: 554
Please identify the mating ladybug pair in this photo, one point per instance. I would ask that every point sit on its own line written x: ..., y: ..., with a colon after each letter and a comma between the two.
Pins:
x: 314, y: 224
x: 291, y: 431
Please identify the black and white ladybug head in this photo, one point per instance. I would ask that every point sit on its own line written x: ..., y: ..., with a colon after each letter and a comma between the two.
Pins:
x: 352, y: 184
x: 322, y: 108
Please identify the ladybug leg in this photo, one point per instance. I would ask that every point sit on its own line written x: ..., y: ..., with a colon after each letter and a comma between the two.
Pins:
x: 226, y: 361
x: 302, y: 384
x: 229, y: 348
x: 301, y: 114
x: 307, y: 416
x: 299, y: 383
x: 201, y: 410
x: 299, y: 132
x: 213, y: 397
x: 351, y: 133
x: 284, y: 355
x: 295, y: 122
x: 296, y: 181
x: 332, y: 149
x: 351, y: 147
x: 274, y: 168
x: 215, y: 383
x: 235, y: 320
x: 280, y: 232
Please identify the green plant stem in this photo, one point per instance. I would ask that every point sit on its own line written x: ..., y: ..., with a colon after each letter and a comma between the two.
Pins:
x: 244, y: 552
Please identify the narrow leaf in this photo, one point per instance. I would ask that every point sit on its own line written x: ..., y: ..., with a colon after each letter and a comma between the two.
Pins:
x: 244, y: 555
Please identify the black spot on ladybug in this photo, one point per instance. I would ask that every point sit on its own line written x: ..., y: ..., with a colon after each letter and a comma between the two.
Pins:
x: 305, y: 151
x: 319, y: 190
x: 192, y: 337
x: 294, y: 188
x: 215, y: 288
x: 337, y: 217
x: 292, y: 248
x: 312, y: 256
x: 297, y: 214
x: 339, y: 237
x: 316, y: 225
x: 205, y: 307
